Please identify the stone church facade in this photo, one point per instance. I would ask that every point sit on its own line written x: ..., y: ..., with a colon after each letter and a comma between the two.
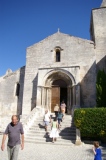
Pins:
x: 60, y: 67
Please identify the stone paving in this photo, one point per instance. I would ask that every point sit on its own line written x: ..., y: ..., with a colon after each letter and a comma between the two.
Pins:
x: 54, y: 152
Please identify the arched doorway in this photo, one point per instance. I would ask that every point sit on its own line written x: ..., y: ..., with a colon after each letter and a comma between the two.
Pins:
x: 61, y: 88
x: 54, y: 85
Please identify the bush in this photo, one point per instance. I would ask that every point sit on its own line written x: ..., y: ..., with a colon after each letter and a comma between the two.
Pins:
x: 91, y: 122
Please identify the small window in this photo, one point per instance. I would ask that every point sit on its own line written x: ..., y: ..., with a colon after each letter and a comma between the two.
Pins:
x: 17, y: 89
x: 57, y: 55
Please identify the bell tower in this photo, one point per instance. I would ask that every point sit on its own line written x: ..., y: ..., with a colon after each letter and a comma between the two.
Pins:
x: 98, y: 34
x: 103, y: 3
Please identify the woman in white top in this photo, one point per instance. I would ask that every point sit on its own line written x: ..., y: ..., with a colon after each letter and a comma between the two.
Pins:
x: 54, y: 132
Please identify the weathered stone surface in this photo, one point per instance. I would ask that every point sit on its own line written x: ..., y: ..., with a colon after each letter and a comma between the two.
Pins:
x: 9, y: 102
x: 99, y: 34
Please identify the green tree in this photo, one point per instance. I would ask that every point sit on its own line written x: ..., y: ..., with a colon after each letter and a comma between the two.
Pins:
x: 101, y: 89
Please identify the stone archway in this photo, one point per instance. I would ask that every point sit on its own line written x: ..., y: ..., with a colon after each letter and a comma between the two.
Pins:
x: 60, y: 83
x: 57, y: 83
x: 58, y: 79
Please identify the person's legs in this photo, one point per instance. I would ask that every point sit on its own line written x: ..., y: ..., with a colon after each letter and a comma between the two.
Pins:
x: 59, y: 121
x: 56, y: 114
x: 15, y: 152
x: 53, y: 140
x: 10, y: 152
x: 63, y: 112
x: 46, y: 125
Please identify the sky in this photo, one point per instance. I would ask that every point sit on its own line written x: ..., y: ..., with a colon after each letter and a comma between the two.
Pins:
x: 25, y: 22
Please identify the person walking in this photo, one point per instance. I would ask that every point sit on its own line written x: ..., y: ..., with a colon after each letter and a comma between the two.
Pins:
x: 54, y: 132
x: 63, y: 107
x: 60, y: 117
x: 46, y: 120
x: 13, y: 130
x: 56, y: 110
x: 97, y: 151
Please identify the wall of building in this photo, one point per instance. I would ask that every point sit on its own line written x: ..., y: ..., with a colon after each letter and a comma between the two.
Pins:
x: 99, y: 24
x: 10, y: 103
x: 74, y: 51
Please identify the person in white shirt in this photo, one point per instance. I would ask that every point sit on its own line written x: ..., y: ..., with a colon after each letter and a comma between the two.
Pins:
x: 46, y: 119
x: 56, y: 110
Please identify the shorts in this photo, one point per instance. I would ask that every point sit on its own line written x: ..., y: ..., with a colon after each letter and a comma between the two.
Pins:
x: 46, y: 123
x: 59, y: 120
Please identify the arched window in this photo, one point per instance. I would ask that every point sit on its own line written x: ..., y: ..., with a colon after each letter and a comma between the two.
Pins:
x: 17, y: 89
x: 57, y: 55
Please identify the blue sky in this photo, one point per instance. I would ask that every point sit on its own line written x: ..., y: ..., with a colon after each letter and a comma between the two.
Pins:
x: 25, y: 22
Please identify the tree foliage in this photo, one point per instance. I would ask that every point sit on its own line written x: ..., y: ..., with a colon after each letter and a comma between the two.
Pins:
x: 101, y: 89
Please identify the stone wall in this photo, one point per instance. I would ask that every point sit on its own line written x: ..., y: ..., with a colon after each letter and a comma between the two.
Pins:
x: 99, y: 25
x: 74, y: 51
x: 9, y: 102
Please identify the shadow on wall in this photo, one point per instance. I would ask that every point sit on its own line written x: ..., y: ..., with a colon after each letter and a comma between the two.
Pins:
x: 88, y: 87
x: 102, y: 64
x: 88, y: 83
x: 21, y: 90
x: 34, y: 92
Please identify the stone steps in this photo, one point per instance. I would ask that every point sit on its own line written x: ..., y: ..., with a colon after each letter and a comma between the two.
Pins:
x: 37, y: 134
x: 50, y: 142
x: 42, y: 132
x: 49, y: 126
x: 68, y: 137
x: 62, y: 130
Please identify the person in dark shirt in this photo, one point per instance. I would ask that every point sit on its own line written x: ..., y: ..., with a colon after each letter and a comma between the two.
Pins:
x: 13, y: 130
x: 60, y: 117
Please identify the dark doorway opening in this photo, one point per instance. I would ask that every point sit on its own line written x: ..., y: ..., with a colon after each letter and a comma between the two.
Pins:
x: 57, y: 97
x: 63, y: 96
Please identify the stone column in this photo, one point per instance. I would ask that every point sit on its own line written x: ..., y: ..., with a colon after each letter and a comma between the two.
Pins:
x: 42, y: 96
x: 68, y: 97
x: 78, y: 137
x: 47, y: 99
x: 73, y: 90
x: 69, y: 100
x: 77, y: 95
x: 39, y: 89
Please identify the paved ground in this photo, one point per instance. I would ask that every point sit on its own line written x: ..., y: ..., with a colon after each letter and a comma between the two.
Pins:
x: 54, y: 152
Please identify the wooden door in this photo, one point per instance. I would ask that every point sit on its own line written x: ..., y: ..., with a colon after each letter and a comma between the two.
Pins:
x: 55, y: 99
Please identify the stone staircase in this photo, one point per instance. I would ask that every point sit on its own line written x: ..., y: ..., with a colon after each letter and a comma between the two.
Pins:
x: 36, y: 133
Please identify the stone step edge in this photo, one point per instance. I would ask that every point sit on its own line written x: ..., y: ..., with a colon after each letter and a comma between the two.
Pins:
x: 36, y: 132
x: 41, y: 138
x: 50, y: 143
x: 40, y: 134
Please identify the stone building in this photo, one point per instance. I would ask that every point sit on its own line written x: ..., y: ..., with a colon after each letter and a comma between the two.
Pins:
x: 60, y: 67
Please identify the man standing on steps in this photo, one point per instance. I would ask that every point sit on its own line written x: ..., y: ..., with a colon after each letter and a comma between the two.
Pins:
x: 13, y: 130
x: 46, y: 119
